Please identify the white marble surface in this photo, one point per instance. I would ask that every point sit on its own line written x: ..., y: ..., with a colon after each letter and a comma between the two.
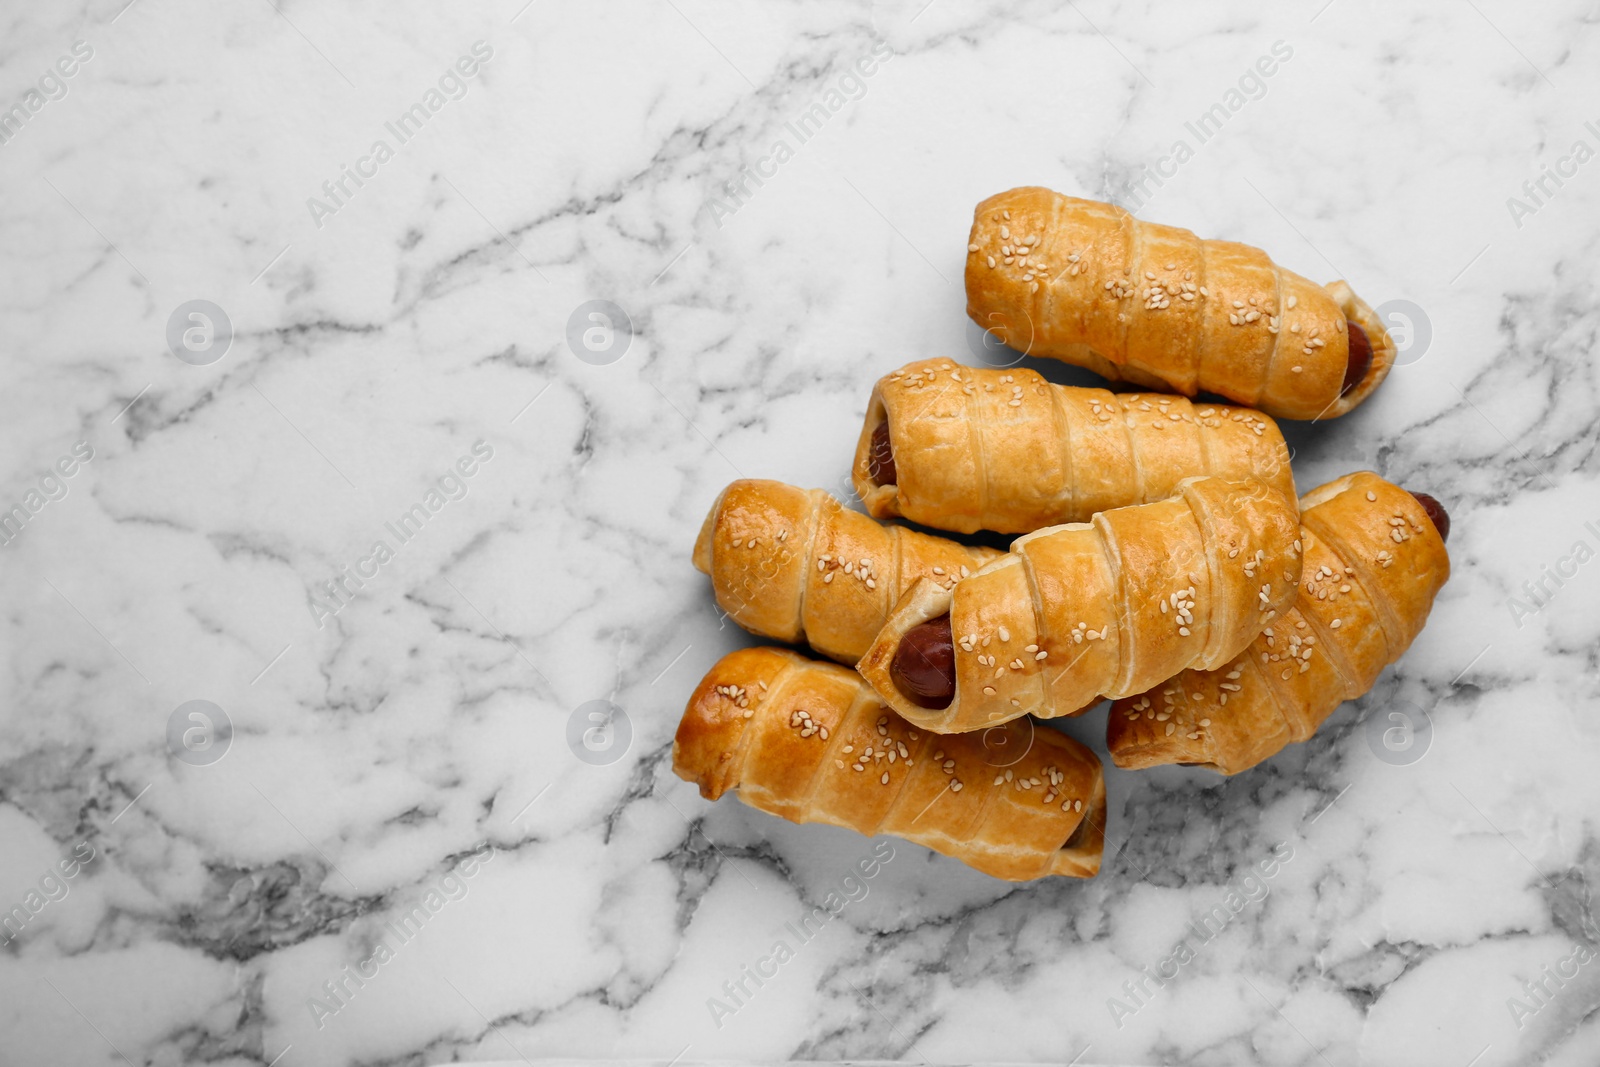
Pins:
x: 426, y: 722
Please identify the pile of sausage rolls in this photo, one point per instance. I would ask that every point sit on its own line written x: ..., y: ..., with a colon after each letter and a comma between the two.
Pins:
x: 1163, y: 560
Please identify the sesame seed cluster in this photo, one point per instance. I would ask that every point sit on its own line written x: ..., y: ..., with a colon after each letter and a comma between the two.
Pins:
x: 1031, y: 655
x: 1352, y: 615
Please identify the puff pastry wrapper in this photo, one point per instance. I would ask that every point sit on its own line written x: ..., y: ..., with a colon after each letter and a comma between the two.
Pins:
x: 809, y: 742
x: 1373, y: 564
x: 1008, y: 451
x: 1088, y: 283
x: 1109, y: 607
x: 795, y: 565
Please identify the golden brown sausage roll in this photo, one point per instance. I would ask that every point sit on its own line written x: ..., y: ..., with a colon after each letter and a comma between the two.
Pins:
x: 793, y: 564
x: 809, y: 742
x: 1108, y: 607
x: 1086, y: 282
x: 969, y: 449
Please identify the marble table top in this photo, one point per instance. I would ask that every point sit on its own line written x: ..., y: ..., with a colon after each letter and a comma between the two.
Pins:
x: 370, y: 369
